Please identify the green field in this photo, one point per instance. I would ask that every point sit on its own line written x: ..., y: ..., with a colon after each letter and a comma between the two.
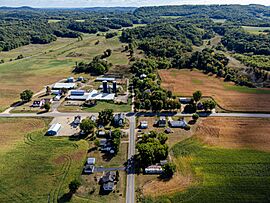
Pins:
x: 46, y: 64
x: 33, y: 167
x: 255, y: 30
x: 225, y: 175
x: 109, y: 105
x: 247, y: 90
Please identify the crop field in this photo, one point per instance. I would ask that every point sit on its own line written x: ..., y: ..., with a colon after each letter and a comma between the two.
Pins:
x: 229, y: 96
x: 33, y: 167
x: 250, y: 133
x: 256, y: 30
x: 46, y: 64
x: 221, y: 175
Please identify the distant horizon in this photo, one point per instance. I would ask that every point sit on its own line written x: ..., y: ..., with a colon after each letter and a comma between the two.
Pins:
x: 121, y: 3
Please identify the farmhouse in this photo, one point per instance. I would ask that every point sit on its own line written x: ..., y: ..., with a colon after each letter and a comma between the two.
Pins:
x: 161, y: 122
x: 58, y: 86
x: 184, y: 100
x: 108, y: 180
x: 90, y: 165
x: 37, y: 103
x: 119, y: 119
x: 54, y: 129
x: 89, y: 168
x: 153, y: 169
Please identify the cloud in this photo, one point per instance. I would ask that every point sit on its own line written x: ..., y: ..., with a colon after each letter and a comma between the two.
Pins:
x: 91, y: 3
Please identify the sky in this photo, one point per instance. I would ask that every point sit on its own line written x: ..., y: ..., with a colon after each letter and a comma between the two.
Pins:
x: 124, y: 3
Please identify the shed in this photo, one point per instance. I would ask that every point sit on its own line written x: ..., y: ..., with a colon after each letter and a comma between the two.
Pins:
x: 91, y: 161
x: 57, y: 97
x: 58, y: 86
x: 54, y: 129
x: 143, y: 124
x: 101, y: 133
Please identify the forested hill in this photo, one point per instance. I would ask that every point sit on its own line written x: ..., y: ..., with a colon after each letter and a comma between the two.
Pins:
x: 241, y: 14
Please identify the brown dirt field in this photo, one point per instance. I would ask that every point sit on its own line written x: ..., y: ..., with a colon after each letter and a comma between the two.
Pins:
x: 184, y: 82
x: 14, y: 129
x: 159, y: 187
x: 251, y: 133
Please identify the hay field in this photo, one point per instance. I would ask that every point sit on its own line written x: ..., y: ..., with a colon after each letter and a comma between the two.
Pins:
x: 46, y: 64
x: 33, y: 167
x: 229, y: 96
x: 252, y: 133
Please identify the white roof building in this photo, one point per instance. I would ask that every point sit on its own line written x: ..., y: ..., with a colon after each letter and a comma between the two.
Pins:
x: 95, y: 95
x: 153, y: 169
x: 104, y: 78
x: 64, y: 85
x: 91, y: 161
x: 144, y: 124
x: 54, y: 129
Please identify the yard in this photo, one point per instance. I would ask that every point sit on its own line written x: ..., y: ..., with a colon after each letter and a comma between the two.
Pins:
x: 229, y: 96
x: 46, y: 64
x: 33, y: 167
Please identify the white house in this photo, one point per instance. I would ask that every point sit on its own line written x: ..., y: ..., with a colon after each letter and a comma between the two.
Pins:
x: 54, y: 129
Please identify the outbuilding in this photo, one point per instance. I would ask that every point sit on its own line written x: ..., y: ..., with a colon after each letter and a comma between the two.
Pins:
x: 178, y: 124
x: 58, y: 86
x: 143, y: 124
x: 54, y: 129
x: 91, y: 161
x: 153, y: 169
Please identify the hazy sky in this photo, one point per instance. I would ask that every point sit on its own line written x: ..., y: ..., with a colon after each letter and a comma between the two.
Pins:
x: 91, y: 3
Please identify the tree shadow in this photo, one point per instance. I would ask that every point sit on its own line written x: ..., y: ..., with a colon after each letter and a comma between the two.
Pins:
x: 65, y: 197
x: 192, y: 122
x: 17, y: 103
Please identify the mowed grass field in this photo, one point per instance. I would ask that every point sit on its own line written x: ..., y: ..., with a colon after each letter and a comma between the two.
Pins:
x: 219, y: 172
x: 229, y: 96
x: 33, y: 167
x: 256, y: 30
x: 46, y: 64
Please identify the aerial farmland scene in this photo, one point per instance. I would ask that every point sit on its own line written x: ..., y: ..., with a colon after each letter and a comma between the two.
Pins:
x: 122, y: 101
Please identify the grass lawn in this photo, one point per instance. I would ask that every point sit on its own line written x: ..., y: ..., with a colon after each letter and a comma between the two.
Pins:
x: 33, y: 167
x: 109, y: 105
x: 223, y: 175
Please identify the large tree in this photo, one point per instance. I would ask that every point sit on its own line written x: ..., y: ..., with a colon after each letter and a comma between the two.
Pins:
x: 105, y: 116
x: 87, y: 126
x: 26, y: 95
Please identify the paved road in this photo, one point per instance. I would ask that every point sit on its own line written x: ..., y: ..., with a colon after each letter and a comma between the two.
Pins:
x: 130, y: 115
x: 130, y: 190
